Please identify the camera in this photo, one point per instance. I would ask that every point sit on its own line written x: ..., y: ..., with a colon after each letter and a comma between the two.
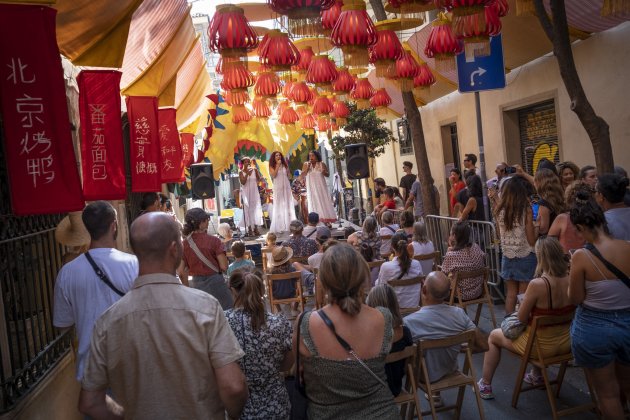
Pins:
x: 510, y: 170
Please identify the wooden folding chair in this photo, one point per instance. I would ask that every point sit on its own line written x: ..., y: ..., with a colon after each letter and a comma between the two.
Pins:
x: 299, y: 296
x: 535, y: 357
x: 409, y: 282
x: 485, y: 298
x: 456, y: 379
x: 409, y: 393
x: 435, y: 256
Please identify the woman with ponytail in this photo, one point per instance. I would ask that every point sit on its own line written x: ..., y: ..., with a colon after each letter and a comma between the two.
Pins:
x: 402, y: 266
x: 341, y: 384
x: 266, y: 340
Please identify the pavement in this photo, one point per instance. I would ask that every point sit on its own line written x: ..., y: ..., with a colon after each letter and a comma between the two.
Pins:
x: 531, y: 405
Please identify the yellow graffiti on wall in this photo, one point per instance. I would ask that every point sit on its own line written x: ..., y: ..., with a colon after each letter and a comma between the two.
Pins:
x: 544, y: 150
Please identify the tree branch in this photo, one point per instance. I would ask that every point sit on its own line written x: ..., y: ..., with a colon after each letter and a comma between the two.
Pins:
x: 544, y: 19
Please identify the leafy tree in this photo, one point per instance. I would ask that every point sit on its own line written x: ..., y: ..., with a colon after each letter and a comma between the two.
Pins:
x: 363, y: 127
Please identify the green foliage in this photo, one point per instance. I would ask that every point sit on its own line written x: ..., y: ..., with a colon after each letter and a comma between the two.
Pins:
x: 363, y: 127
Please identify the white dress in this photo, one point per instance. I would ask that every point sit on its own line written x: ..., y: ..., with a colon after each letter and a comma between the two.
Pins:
x: 250, y: 198
x: 317, y: 194
x: 283, y: 210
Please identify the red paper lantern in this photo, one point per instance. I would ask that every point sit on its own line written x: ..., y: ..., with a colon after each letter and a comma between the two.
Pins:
x: 229, y: 32
x: 236, y: 76
x: 362, y: 93
x: 307, y: 123
x: 386, y: 51
x: 477, y: 43
x: 381, y: 100
x: 300, y: 93
x: 240, y: 114
x: 344, y: 83
x: 306, y: 55
x: 288, y: 116
x: 281, y: 107
x: 322, y: 106
x: 469, y: 16
x: 414, y: 9
x: 236, y: 97
x: 442, y: 44
x: 267, y: 84
x: 277, y: 51
x: 304, y: 15
x: 330, y: 16
x: 261, y: 107
x: 323, y: 123
x: 407, y: 69
x: 354, y: 32
x: 340, y: 112
x: 425, y: 77
x: 321, y: 71
x: 286, y: 89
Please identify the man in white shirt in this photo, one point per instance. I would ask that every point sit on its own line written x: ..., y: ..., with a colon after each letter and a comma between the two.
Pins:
x: 81, y: 296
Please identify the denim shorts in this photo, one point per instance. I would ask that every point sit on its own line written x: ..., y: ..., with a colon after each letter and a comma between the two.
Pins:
x: 518, y: 269
x: 600, y: 337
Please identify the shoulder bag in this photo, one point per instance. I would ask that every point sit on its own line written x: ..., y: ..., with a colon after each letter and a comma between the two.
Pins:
x: 617, y: 272
x: 200, y: 255
x: 512, y: 327
x: 101, y: 274
x: 347, y: 347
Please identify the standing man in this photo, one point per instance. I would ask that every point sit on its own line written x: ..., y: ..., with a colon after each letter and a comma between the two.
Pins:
x: 250, y: 197
x: 81, y: 295
x: 415, y: 200
x: 165, y: 350
x: 470, y: 162
x: 406, y: 182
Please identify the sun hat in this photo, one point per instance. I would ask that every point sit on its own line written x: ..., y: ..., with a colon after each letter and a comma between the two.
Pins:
x: 71, y: 231
x: 280, y: 255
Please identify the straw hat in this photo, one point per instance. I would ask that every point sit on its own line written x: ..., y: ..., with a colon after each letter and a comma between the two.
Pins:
x: 71, y: 231
x: 280, y: 255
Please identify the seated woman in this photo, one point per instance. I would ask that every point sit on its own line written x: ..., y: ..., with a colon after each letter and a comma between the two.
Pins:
x: 406, y: 224
x: 266, y: 340
x: 388, y: 228
x: 421, y: 245
x: 281, y: 264
x: 384, y: 296
x: 547, y: 294
x: 368, y: 235
x: 368, y: 255
x: 401, y: 267
x: 225, y: 234
x: 463, y: 255
x: 337, y: 384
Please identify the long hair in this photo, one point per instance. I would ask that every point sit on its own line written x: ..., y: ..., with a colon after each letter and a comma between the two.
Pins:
x: 343, y: 273
x: 514, y: 202
x: 272, y: 160
x: 549, y: 188
x: 385, y: 296
x: 420, y: 232
x: 461, y: 231
x: 399, y: 245
x: 406, y: 219
x: 550, y: 257
x: 318, y: 156
x: 249, y: 295
x: 369, y: 227
x: 570, y: 194
x: 586, y: 212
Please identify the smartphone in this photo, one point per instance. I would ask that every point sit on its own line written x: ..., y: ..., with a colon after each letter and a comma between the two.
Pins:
x: 535, y: 211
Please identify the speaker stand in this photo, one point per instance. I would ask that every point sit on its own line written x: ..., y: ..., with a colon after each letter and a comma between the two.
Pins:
x: 360, y: 203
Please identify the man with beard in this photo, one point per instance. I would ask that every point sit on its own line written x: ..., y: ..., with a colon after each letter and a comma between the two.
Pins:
x: 81, y: 293
x: 164, y: 349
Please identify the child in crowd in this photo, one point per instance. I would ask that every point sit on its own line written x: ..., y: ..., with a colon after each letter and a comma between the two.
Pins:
x: 238, y: 250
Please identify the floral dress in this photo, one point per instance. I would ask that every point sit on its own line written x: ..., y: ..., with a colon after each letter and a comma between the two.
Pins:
x: 264, y: 351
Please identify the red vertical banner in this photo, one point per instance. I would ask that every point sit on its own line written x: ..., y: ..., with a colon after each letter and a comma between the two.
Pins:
x: 188, y: 148
x: 102, y: 151
x: 145, y: 143
x: 170, y: 147
x: 42, y: 166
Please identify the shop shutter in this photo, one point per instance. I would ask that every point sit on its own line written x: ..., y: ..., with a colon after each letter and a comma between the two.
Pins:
x: 539, y: 134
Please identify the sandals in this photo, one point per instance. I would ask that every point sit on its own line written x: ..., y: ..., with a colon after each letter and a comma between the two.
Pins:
x: 532, y: 379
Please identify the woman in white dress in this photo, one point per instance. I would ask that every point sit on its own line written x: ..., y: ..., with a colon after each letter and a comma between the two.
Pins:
x: 283, y: 209
x: 250, y: 197
x: 317, y: 195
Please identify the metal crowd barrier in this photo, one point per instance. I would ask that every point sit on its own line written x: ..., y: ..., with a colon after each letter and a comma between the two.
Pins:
x: 483, y: 233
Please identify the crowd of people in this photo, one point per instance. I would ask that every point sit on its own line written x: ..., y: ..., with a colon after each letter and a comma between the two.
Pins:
x: 180, y: 328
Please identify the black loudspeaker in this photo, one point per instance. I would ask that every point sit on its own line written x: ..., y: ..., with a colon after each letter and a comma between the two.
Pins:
x: 202, y: 179
x: 357, y: 161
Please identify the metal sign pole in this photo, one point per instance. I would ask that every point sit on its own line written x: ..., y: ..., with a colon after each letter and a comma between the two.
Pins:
x: 482, y: 158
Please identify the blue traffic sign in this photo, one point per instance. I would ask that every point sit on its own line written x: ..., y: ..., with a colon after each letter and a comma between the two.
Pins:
x: 482, y: 73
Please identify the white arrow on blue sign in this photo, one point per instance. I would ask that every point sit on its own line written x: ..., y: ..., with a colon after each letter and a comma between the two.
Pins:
x: 482, y: 73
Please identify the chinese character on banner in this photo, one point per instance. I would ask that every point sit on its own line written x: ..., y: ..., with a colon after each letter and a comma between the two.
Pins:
x: 145, y: 154
x: 188, y: 149
x: 102, y: 151
x: 42, y: 166
x: 170, y: 148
